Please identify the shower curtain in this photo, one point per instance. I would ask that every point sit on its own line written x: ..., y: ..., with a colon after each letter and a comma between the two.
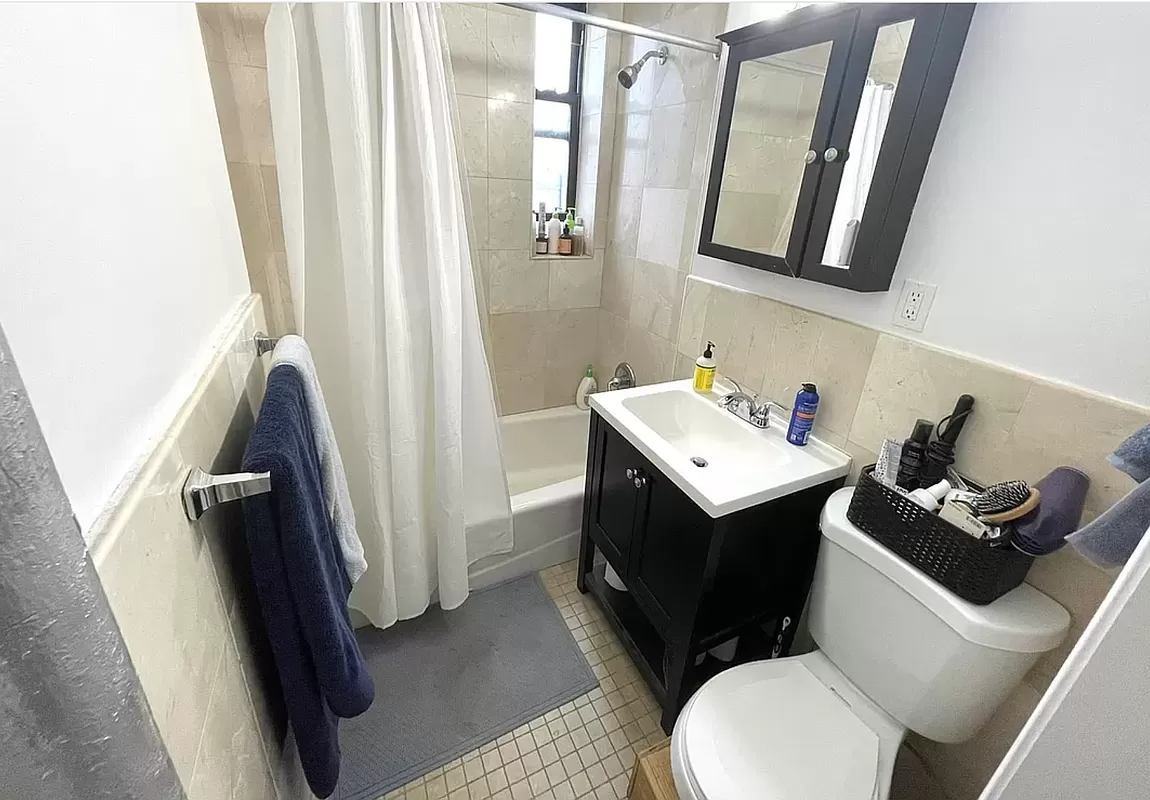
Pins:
x: 866, y: 140
x: 375, y: 219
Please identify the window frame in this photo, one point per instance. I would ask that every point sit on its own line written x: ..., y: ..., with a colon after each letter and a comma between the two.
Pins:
x: 573, y: 98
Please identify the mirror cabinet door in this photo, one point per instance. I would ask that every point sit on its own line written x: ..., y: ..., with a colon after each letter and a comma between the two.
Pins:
x: 890, y: 56
x: 775, y: 123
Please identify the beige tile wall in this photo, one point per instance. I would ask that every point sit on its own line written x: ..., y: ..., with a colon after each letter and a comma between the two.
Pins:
x: 875, y: 385
x: 184, y: 600
x: 541, y: 313
x: 655, y: 190
x: 237, y: 63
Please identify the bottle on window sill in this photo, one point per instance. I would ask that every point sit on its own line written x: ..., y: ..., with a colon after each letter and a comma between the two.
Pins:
x: 566, y: 243
x: 579, y: 235
x: 541, y: 231
x: 554, y: 229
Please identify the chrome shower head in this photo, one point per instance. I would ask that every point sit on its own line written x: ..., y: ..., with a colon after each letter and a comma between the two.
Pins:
x: 629, y: 73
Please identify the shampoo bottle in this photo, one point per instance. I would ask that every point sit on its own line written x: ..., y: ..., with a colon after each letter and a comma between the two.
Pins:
x: 705, y: 369
x: 586, y: 387
x: 554, y: 229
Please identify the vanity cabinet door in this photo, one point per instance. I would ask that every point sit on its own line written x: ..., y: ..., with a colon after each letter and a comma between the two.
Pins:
x: 780, y: 93
x: 673, y: 537
x: 616, y: 495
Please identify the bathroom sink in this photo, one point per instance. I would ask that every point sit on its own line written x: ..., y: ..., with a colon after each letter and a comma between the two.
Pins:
x: 720, y: 461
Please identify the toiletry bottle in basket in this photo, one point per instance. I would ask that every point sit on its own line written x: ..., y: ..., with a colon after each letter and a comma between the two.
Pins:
x: 803, y: 414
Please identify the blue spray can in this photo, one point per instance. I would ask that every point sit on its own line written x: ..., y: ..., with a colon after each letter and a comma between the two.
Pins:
x: 803, y: 414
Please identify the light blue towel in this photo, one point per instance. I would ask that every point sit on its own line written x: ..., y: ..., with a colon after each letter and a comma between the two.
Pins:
x: 1110, y: 540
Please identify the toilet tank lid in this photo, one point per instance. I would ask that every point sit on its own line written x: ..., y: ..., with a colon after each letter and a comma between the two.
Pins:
x: 1024, y: 620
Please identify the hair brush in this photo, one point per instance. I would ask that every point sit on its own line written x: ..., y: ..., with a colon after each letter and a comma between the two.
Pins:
x: 1002, y: 502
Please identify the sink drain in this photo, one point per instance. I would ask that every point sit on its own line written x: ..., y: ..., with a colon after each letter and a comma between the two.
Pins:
x: 698, y: 461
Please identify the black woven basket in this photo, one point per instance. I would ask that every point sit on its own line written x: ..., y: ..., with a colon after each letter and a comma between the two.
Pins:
x: 974, y: 569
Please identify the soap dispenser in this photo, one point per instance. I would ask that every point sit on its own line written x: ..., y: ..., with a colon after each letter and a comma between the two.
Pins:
x: 705, y: 369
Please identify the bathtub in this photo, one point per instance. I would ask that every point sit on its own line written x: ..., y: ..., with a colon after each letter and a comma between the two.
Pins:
x: 545, y: 454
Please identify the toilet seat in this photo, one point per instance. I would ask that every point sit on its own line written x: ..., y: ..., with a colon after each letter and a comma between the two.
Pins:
x: 786, y: 729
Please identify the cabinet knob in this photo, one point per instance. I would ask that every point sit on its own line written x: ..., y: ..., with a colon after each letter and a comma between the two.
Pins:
x: 831, y: 155
x: 811, y: 157
x: 640, y: 481
x: 630, y: 474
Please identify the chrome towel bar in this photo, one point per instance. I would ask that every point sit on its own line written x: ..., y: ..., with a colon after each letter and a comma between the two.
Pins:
x: 202, y: 490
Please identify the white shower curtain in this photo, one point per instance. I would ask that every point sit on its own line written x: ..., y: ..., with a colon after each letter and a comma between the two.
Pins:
x: 866, y: 140
x: 376, y: 231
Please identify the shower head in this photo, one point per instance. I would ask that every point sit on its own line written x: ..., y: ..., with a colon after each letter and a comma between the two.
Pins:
x: 629, y: 73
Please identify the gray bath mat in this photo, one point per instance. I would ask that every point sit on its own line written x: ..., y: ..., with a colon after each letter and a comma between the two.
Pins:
x: 450, y: 681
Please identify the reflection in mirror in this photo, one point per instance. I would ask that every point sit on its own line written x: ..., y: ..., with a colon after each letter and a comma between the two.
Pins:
x: 866, y: 140
x: 776, y: 100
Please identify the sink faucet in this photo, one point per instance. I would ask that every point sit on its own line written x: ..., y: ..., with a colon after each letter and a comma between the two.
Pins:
x: 744, y: 406
x: 624, y: 377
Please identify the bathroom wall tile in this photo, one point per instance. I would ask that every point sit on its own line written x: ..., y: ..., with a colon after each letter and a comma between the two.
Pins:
x: 860, y: 457
x: 907, y: 381
x: 710, y: 313
x: 630, y: 153
x: 467, y: 43
x: 671, y: 144
x: 515, y: 282
x: 623, y: 225
x: 520, y: 391
x: 1079, y: 587
x: 660, y: 226
x: 509, y: 214
x: 252, y: 213
x: 747, y: 355
x: 575, y: 283
x: 594, y: 73
x: 473, y: 132
x: 618, y: 277
x: 510, y: 55
x: 604, y: 173
x: 572, y: 340
x: 271, y: 186
x: 828, y: 352
x: 651, y: 357
x: 518, y: 341
x: 509, y: 139
x: 158, y: 577
x: 233, y: 33
x: 590, y: 130
x: 230, y: 763
x: 684, y: 367
x: 241, y: 94
x: 1058, y: 425
x: 656, y: 298
x: 480, y: 211
x: 611, y: 345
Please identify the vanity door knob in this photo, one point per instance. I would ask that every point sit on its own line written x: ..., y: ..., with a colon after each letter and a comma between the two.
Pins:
x: 831, y: 155
x: 630, y: 474
x: 640, y: 481
x: 811, y: 156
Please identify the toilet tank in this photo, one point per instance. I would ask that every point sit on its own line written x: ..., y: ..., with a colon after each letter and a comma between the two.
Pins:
x: 933, y: 661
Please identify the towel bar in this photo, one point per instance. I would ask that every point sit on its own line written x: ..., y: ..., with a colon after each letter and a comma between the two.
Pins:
x: 203, y: 490
x: 265, y: 343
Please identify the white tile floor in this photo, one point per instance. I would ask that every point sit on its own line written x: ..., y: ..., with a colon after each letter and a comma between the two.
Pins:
x: 585, y: 749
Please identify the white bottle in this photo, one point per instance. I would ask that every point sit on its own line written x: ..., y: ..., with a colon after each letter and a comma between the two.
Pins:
x: 586, y: 387
x: 554, y: 229
x: 932, y: 497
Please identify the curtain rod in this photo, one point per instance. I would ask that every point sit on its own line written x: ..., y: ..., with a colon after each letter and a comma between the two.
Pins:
x: 615, y: 25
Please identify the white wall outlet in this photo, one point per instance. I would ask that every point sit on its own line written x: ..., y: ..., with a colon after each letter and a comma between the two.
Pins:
x: 914, y: 304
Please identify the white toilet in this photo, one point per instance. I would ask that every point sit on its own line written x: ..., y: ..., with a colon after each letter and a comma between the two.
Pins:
x: 897, y: 651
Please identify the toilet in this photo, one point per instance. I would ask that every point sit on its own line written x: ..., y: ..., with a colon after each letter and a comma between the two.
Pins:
x: 897, y: 652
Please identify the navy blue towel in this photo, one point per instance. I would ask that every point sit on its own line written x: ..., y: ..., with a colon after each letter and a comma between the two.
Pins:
x: 301, y: 582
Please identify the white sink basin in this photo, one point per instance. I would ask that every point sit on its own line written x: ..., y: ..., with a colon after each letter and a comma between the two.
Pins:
x: 671, y: 424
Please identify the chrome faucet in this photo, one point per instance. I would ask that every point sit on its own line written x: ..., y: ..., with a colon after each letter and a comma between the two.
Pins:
x: 624, y: 377
x: 744, y: 406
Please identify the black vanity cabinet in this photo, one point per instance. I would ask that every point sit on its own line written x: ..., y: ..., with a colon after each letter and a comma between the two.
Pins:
x: 826, y: 121
x: 693, y: 581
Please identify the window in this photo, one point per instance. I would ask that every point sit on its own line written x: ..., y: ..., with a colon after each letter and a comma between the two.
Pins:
x: 558, y: 71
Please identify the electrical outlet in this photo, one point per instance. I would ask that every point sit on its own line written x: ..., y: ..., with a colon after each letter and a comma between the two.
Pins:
x: 914, y: 304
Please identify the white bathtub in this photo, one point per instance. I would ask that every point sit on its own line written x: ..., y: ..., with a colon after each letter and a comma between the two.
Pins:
x: 545, y: 453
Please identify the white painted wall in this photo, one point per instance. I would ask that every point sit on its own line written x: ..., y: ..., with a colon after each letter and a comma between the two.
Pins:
x: 119, y: 248
x: 1033, y: 215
